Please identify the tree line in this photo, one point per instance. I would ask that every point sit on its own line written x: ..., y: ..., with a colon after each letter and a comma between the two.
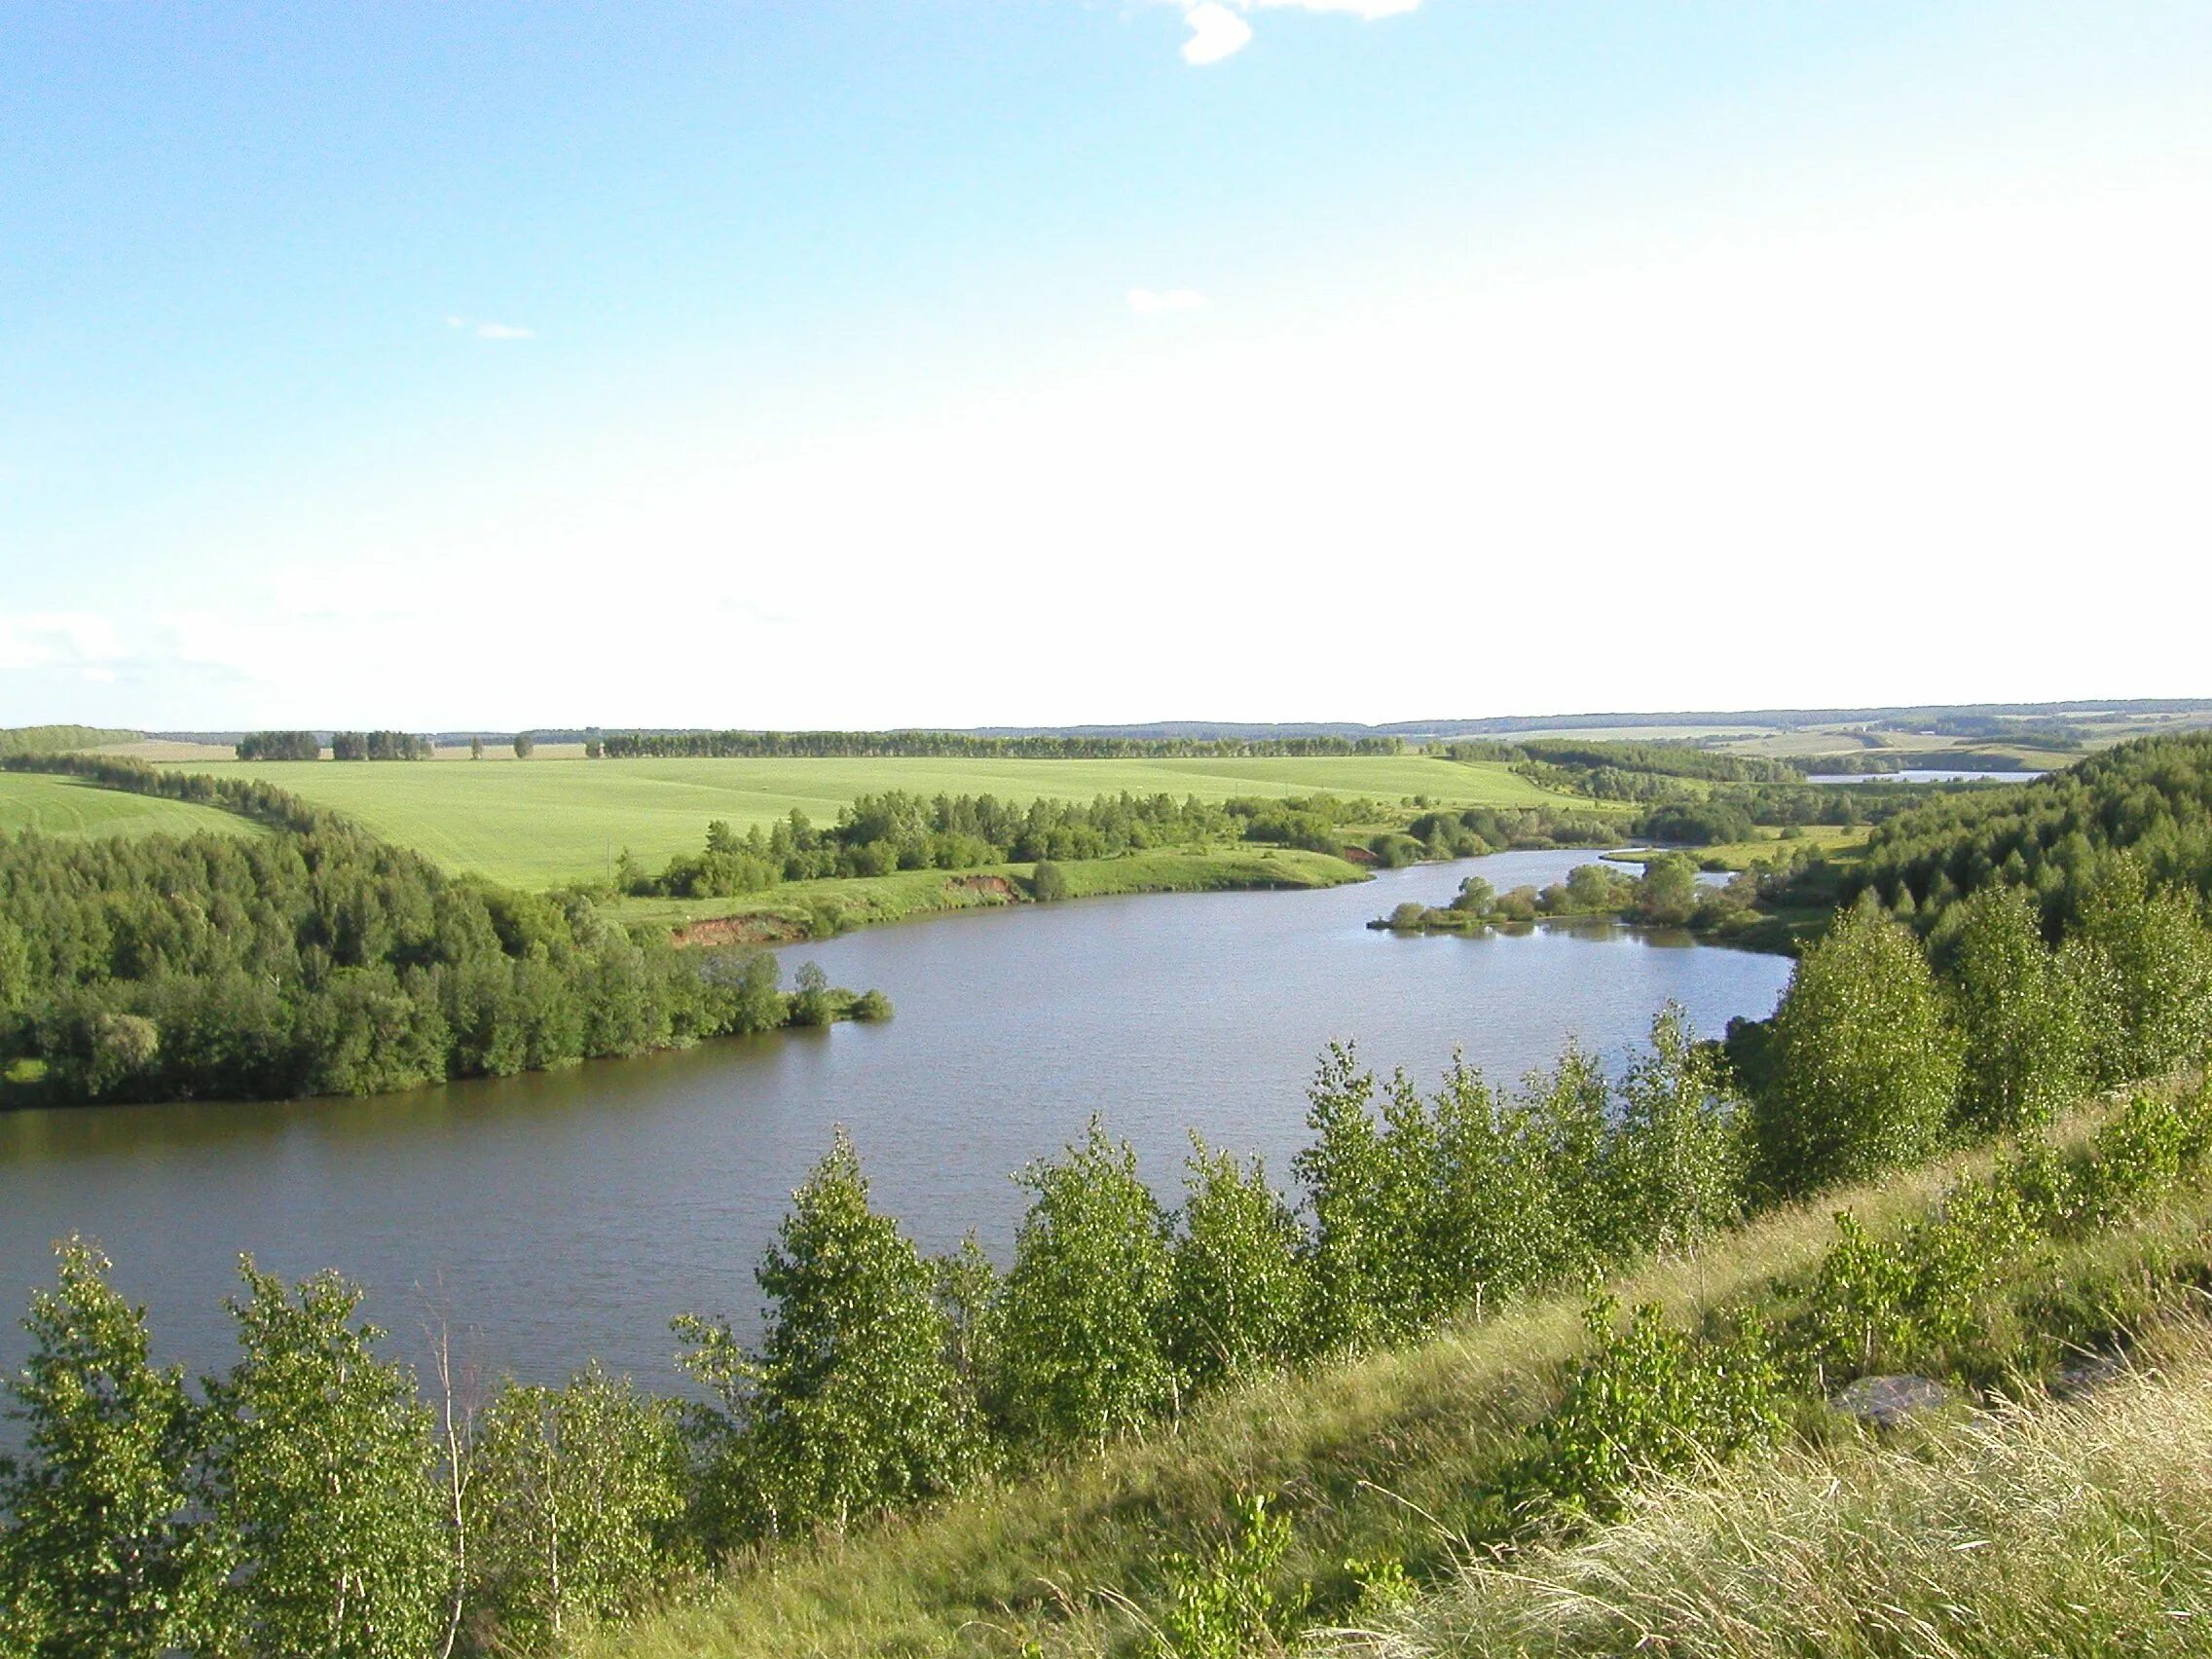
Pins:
x: 309, y: 1499
x: 894, y: 830
x: 319, y: 960
x: 379, y: 745
x: 937, y: 745
x: 280, y: 745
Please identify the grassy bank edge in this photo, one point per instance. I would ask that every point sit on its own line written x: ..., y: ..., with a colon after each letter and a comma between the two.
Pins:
x: 818, y: 909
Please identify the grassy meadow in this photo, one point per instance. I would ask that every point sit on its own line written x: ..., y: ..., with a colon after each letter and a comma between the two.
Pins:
x: 546, y: 822
x: 67, y: 806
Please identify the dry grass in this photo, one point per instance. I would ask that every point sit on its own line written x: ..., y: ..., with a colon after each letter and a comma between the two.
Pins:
x: 2080, y: 1529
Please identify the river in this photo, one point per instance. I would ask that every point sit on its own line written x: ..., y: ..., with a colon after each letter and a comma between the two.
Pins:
x: 563, y: 1215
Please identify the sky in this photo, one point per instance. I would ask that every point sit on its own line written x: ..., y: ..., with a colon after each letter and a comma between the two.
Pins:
x: 961, y: 363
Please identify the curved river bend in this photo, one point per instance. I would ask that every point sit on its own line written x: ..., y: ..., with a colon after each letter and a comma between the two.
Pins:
x: 569, y: 1214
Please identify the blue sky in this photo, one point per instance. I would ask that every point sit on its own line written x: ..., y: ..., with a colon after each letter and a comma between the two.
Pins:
x: 1035, y: 361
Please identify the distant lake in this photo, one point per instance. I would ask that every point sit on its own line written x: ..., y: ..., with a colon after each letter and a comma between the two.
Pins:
x: 569, y: 1214
x: 1922, y: 775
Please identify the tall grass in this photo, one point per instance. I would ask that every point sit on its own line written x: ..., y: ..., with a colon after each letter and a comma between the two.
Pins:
x: 2069, y: 1529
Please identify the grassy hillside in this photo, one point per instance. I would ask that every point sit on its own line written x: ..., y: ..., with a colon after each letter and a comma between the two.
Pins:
x: 2075, y: 1528
x: 1386, y: 1469
x: 547, y: 822
x: 70, y: 806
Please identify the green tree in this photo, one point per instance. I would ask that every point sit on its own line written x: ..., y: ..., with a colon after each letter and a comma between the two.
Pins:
x: 15, y: 969
x: 1344, y: 1170
x: 476, y: 749
x: 321, y: 1480
x: 1681, y: 1147
x: 571, y: 1498
x: 100, y: 1554
x: 1236, y: 1288
x: 1865, y: 1068
x: 1666, y: 893
x: 854, y: 1404
x: 1490, y: 1229
x: 1081, y: 1349
x: 810, y: 999
x: 1047, y: 882
x: 1475, y: 897
x: 1566, y: 1112
x: 2145, y: 961
x: 2019, y: 1014
x: 525, y: 745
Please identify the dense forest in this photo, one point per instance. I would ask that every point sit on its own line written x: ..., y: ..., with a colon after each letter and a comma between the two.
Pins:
x: 787, y: 745
x: 319, y: 960
x: 2056, y: 838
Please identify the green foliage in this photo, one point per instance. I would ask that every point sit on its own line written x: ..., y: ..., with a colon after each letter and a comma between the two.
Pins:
x: 1225, y: 1603
x: 1236, y: 1288
x: 377, y: 746
x: 858, y: 1404
x: 1047, y: 882
x: 1865, y: 1069
x: 1666, y: 893
x: 99, y: 1552
x: 1081, y: 1357
x: 1680, y: 1169
x: 2054, y: 838
x: 2025, y: 1038
x: 280, y: 745
x: 317, y: 960
x: 1902, y: 1301
x: 2144, y: 960
x: 525, y: 745
x: 1589, y: 889
x: 322, y: 1461
x: 810, y: 1000
x: 854, y: 1402
x: 1652, y: 1400
x: 1344, y: 1170
x: 572, y: 1499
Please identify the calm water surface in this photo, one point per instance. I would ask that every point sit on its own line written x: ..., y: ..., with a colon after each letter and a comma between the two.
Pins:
x: 1923, y: 775
x: 569, y: 1214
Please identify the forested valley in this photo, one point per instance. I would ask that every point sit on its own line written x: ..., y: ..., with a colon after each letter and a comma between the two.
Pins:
x: 152, y: 1513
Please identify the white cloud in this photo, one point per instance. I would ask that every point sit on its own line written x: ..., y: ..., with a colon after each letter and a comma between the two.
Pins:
x: 484, y: 330
x: 1159, y: 302
x: 51, y: 638
x: 1218, y: 28
x: 1216, y: 32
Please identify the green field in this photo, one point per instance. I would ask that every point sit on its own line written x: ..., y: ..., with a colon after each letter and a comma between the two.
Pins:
x: 64, y: 806
x: 548, y: 822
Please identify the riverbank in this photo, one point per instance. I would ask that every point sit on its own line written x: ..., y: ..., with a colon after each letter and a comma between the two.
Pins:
x: 822, y: 909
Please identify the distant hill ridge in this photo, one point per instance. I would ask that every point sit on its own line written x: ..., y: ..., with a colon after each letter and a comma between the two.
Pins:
x: 47, y: 738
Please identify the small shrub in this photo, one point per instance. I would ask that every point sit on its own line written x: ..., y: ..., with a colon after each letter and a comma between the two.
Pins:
x: 1650, y: 1400
x: 1224, y: 1605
